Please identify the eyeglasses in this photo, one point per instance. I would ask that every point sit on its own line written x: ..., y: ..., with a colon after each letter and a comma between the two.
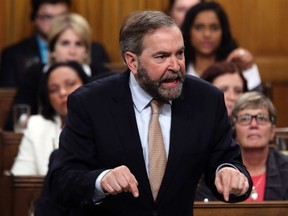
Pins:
x: 45, y: 17
x: 246, y: 119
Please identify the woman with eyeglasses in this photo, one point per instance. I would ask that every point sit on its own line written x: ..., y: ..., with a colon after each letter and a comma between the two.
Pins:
x: 253, y: 118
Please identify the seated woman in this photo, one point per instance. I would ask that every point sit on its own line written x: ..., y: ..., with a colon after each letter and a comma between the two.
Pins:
x: 227, y: 76
x: 41, y: 136
x: 253, y: 118
x: 207, y: 39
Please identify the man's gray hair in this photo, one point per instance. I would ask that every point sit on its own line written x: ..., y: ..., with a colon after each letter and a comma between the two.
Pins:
x: 137, y: 25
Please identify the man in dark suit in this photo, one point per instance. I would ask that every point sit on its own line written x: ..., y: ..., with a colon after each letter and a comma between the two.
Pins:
x: 17, y: 58
x: 103, y: 165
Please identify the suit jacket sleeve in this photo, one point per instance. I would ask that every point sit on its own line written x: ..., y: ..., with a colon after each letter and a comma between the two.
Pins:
x: 225, y: 150
x: 73, y: 166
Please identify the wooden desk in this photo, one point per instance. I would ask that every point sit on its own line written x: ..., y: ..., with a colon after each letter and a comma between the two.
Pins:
x: 21, y: 191
x: 265, y: 208
x: 9, y: 144
x: 18, y: 194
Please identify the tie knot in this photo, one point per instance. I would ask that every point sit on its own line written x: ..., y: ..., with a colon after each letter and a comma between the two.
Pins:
x: 155, y: 105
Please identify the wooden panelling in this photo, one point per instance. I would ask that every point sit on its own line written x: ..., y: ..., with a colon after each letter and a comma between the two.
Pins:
x: 274, y: 72
x: 9, y: 144
x: 20, y: 194
x: 6, y: 98
x: 256, y: 24
x: 259, y: 25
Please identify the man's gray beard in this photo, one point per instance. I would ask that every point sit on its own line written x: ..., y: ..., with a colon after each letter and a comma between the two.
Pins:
x: 154, y: 88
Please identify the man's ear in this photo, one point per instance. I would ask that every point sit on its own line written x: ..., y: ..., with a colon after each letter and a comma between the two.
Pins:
x: 132, y: 62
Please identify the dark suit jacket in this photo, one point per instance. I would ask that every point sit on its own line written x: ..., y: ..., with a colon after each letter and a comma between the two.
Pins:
x: 102, y: 133
x: 277, y: 176
x: 16, y: 59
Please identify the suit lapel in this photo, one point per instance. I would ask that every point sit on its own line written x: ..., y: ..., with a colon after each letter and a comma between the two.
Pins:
x: 180, y: 113
x: 125, y: 120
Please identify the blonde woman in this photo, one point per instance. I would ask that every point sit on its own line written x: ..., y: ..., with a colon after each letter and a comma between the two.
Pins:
x: 69, y: 40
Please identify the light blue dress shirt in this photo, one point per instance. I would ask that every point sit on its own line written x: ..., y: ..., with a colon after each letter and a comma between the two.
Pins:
x: 43, y: 47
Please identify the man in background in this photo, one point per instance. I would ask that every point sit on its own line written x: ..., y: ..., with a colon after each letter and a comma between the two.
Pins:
x: 20, y: 56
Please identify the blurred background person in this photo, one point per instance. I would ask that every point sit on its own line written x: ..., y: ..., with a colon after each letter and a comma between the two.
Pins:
x: 69, y: 40
x: 42, y: 134
x: 20, y: 56
x: 208, y: 39
x: 17, y: 58
x: 177, y: 9
x: 228, y: 77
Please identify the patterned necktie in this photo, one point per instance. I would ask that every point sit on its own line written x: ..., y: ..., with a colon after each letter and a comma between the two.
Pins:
x: 157, y: 154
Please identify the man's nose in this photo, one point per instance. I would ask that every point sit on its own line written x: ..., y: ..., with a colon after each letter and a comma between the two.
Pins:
x: 174, y: 64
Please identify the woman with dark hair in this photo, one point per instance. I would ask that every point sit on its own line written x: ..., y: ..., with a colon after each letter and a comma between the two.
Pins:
x: 228, y: 77
x: 42, y: 133
x: 208, y: 39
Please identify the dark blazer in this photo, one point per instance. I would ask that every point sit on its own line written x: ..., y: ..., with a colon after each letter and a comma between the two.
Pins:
x: 16, y: 59
x: 277, y: 176
x: 102, y: 133
x: 276, y: 179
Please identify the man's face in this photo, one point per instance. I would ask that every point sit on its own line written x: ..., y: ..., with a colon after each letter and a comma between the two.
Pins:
x: 45, y: 15
x: 161, y: 65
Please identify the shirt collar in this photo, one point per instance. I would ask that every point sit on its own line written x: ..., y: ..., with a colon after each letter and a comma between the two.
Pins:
x: 140, y: 97
x: 41, y: 42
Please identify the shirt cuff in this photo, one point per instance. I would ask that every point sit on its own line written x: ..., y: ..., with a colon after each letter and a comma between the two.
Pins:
x: 225, y: 165
x: 99, y: 193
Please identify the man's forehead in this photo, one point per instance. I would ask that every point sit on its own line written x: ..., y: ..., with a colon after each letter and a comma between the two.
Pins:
x: 53, y: 7
x: 172, y: 33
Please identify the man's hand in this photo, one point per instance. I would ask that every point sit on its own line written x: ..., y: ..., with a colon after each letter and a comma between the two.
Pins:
x: 230, y: 181
x: 119, y: 180
x: 242, y: 56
